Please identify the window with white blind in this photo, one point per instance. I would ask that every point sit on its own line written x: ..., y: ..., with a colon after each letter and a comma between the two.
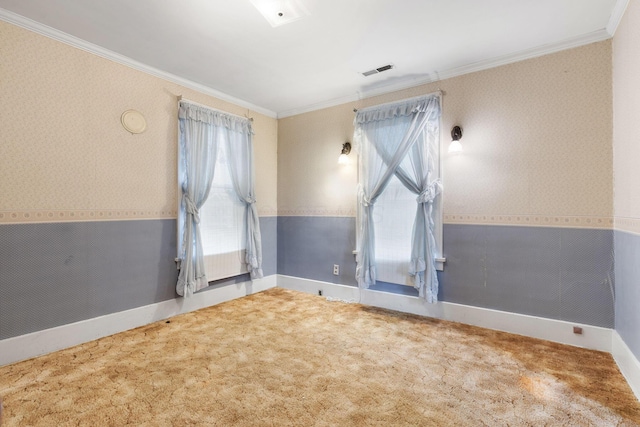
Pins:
x: 393, y: 219
x: 222, y: 219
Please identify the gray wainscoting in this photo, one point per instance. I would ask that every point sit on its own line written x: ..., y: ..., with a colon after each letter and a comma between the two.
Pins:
x: 59, y: 273
x: 627, y: 247
x: 54, y: 274
x: 308, y: 247
x: 558, y: 273
x: 269, y: 231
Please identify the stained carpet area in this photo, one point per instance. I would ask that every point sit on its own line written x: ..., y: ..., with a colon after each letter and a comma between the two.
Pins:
x: 284, y: 358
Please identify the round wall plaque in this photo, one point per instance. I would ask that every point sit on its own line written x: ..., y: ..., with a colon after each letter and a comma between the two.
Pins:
x: 133, y: 121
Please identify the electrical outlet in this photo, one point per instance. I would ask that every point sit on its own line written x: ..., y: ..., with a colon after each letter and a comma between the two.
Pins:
x: 336, y: 269
x: 320, y: 292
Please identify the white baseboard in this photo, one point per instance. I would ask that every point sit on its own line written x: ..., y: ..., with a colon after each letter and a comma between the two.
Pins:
x: 46, y: 341
x: 627, y: 362
x: 593, y: 337
x: 329, y: 290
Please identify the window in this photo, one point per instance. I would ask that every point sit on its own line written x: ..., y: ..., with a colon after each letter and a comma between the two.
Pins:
x: 399, y: 208
x: 393, y: 217
x: 218, y: 225
x: 222, y: 225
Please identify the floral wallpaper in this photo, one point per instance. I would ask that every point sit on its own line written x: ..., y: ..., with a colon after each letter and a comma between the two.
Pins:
x: 537, y: 145
x: 64, y: 155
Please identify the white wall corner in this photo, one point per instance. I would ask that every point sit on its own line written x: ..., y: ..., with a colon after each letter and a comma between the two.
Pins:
x: 616, y: 16
x: 627, y: 362
x: 46, y: 341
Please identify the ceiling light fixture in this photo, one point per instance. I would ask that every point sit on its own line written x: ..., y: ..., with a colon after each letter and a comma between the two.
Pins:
x: 280, y: 12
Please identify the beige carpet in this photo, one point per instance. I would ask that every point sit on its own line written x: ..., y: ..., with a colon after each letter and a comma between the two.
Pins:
x: 283, y: 358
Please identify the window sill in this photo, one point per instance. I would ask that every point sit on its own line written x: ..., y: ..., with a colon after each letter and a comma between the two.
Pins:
x: 439, y: 262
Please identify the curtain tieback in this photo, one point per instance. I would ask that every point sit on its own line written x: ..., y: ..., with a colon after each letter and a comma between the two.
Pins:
x: 250, y: 200
x: 191, y: 208
x: 364, y: 201
x: 429, y: 194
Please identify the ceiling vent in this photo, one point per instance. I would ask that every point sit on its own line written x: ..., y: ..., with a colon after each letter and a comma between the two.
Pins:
x: 377, y: 70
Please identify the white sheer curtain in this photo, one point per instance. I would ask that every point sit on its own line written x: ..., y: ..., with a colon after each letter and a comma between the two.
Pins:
x: 240, y: 149
x: 201, y: 130
x: 416, y: 173
x: 198, y: 150
x: 393, y: 140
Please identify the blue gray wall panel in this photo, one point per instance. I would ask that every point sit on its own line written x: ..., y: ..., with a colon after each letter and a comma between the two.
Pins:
x: 627, y: 247
x: 269, y: 231
x: 54, y: 274
x: 308, y: 247
x: 558, y: 273
x: 59, y: 273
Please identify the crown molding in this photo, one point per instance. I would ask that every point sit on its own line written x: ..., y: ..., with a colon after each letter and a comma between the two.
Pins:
x: 616, y: 16
x: 320, y: 105
x: 570, y: 43
x: 52, y: 33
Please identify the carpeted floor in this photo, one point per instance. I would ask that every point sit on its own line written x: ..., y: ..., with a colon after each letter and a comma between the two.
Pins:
x: 283, y: 358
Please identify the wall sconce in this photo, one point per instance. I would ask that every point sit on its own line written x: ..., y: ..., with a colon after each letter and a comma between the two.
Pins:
x: 346, y: 149
x: 456, y: 134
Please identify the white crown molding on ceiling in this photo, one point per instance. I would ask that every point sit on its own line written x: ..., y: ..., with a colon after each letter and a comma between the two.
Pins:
x: 52, y: 33
x: 616, y: 16
x: 593, y: 37
x: 596, y: 36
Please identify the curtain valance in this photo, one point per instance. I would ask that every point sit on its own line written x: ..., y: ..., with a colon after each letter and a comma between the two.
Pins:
x: 213, y: 117
x: 430, y: 104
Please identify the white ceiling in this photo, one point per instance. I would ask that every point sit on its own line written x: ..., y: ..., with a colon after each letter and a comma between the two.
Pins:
x: 227, y: 48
